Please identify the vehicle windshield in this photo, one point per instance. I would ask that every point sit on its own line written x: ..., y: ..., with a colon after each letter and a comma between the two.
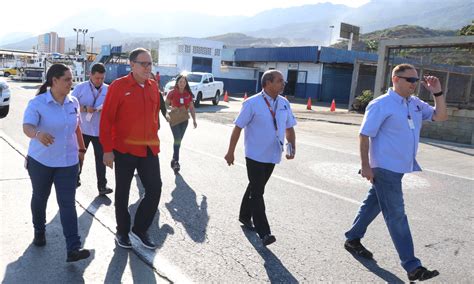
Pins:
x: 194, y: 78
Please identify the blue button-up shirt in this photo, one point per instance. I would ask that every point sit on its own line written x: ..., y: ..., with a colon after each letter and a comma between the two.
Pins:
x: 88, y: 95
x: 61, y: 122
x: 393, y: 144
x: 262, y: 142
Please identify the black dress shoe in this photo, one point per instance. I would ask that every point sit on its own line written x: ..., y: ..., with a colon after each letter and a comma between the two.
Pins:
x: 40, y: 239
x: 123, y: 241
x: 247, y: 224
x: 144, y: 239
x: 78, y: 254
x: 104, y: 190
x: 355, y: 247
x: 421, y: 273
x: 268, y: 240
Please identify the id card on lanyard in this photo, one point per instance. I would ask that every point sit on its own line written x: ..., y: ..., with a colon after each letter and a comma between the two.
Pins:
x: 275, y: 124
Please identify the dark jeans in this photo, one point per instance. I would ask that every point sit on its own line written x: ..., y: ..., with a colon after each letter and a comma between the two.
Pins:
x: 148, y: 169
x: 99, y: 155
x: 386, y: 196
x: 178, y: 134
x: 64, y: 179
x: 253, y: 204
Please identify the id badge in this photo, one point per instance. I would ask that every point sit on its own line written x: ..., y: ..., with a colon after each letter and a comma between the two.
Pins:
x: 181, y: 101
x: 411, y: 124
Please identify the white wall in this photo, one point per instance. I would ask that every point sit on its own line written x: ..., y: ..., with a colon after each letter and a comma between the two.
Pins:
x: 315, y: 70
x: 232, y: 72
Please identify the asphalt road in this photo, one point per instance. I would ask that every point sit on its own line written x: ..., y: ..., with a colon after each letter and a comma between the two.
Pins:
x: 311, y: 201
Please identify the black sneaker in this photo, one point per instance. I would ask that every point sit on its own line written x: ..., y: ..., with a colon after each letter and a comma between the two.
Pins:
x: 104, y: 190
x: 123, y: 241
x: 268, y: 240
x: 78, y: 254
x: 355, y: 247
x: 172, y: 163
x: 40, y: 239
x: 421, y: 273
x: 144, y: 239
x: 78, y: 182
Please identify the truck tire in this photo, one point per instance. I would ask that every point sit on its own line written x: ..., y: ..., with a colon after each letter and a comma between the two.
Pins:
x: 197, y: 102
x: 217, y: 98
x: 6, y: 74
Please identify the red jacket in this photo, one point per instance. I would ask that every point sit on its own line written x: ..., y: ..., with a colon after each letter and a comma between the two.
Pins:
x: 129, y: 121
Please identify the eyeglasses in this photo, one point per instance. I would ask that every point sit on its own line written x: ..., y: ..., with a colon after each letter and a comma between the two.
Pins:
x: 144, y: 64
x: 410, y: 79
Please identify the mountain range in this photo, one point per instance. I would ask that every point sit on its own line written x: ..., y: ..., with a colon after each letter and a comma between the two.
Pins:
x: 303, y: 25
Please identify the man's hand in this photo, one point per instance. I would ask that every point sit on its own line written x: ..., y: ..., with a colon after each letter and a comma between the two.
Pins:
x: 90, y: 109
x: 109, y: 159
x: 432, y: 84
x: 292, y: 156
x: 195, y: 124
x: 367, y: 173
x: 229, y: 157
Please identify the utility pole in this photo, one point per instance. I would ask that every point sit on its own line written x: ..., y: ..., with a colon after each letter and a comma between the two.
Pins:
x: 330, y: 34
x: 92, y: 45
x: 77, y: 38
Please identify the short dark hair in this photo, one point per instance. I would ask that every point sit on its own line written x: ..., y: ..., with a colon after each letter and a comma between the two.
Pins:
x: 137, y: 51
x: 269, y: 75
x: 400, y: 68
x: 98, y: 68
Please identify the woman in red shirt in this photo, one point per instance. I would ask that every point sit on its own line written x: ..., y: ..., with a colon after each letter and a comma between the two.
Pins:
x: 180, y: 98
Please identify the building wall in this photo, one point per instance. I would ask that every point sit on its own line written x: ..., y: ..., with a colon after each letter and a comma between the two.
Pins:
x: 458, y: 128
x: 61, y: 44
x: 180, y: 51
x: 238, y: 80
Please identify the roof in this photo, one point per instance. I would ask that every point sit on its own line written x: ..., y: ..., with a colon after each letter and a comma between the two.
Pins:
x: 278, y: 54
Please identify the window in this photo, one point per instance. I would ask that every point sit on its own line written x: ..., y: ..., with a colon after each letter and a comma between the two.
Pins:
x: 187, y: 49
x: 180, y: 48
x: 217, y: 52
x: 202, y: 50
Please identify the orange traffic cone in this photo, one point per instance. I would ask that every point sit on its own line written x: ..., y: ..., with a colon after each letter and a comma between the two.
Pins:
x: 226, y: 97
x: 333, y: 105
x: 245, y: 96
x: 308, y: 105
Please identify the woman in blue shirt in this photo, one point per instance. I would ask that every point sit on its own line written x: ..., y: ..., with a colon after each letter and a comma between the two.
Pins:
x: 51, y: 120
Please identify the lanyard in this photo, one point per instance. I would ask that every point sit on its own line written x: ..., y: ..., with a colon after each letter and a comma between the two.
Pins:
x: 92, y: 91
x: 272, y: 112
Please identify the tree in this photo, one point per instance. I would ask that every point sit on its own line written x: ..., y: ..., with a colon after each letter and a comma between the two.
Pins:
x: 467, y: 30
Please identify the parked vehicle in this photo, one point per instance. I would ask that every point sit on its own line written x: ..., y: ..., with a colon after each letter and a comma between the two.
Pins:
x: 203, y: 86
x: 4, y: 98
x: 10, y: 71
x: 29, y: 74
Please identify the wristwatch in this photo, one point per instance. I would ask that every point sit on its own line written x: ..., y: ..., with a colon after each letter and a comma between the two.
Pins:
x: 438, y: 94
x: 82, y: 150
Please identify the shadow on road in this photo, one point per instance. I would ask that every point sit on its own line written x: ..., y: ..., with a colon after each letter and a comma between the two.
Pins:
x: 48, y: 264
x: 184, y: 208
x: 373, y: 267
x: 276, y: 271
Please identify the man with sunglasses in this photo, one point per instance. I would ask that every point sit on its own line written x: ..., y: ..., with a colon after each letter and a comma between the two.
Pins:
x: 267, y: 119
x: 390, y: 132
x: 129, y: 135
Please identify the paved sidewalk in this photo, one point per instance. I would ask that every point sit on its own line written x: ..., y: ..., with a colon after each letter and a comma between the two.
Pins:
x: 22, y: 262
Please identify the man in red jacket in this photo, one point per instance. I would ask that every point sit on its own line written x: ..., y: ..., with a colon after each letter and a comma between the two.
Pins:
x: 129, y: 136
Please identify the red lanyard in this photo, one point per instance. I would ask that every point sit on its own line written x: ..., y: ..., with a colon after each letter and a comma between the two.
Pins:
x: 272, y: 112
x: 98, y: 92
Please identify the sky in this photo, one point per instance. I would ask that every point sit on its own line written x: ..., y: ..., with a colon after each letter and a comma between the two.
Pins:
x: 40, y: 16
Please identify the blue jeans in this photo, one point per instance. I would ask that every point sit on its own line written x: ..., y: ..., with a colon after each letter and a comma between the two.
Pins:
x: 386, y: 195
x: 178, y: 134
x: 64, y: 179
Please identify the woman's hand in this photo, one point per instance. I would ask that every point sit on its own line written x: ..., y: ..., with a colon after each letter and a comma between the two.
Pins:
x: 195, y: 123
x: 45, y: 138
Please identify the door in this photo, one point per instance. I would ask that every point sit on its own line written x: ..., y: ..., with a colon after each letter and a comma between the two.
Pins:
x: 202, y: 64
x: 291, y: 79
x: 336, y: 83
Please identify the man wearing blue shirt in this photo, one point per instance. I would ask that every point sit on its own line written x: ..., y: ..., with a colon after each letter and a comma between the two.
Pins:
x: 267, y: 119
x: 390, y: 132
x: 91, y: 96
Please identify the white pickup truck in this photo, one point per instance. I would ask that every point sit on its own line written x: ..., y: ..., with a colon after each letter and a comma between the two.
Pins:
x: 203, y: 86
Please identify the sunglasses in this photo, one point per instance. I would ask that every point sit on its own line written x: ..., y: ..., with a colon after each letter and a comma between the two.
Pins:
x: 409, y: 79
x: 144, y: 64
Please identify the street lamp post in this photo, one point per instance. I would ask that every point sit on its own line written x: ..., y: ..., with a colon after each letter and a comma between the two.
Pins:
x: 84, y: 31
x: 92, y: 45
x: 330, y: 34
x: 77, y: 37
